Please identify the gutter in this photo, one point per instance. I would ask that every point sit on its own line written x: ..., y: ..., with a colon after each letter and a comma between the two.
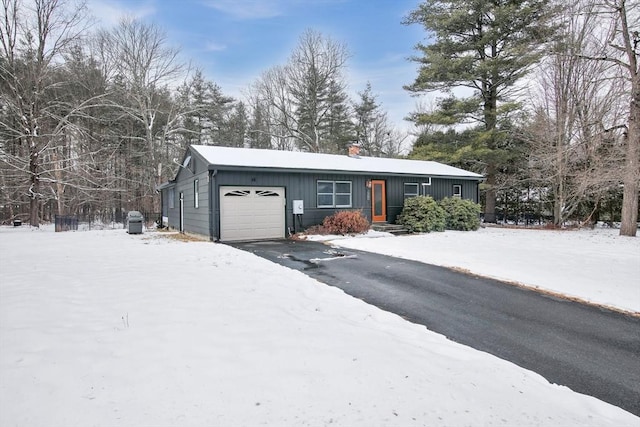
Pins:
x: 475, y: 177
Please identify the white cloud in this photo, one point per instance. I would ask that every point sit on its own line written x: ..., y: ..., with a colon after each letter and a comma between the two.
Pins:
x: 260, y: 9
x: 248, y: 9
x: 212, y: 46
x: 110, y: 12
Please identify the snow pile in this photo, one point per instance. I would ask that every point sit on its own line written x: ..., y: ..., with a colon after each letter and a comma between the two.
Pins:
x: 594, y: 265
x: 105, y: 329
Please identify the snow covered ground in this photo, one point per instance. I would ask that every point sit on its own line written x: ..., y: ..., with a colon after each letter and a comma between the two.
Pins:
x: 593, y: 265
x: 100, y: 328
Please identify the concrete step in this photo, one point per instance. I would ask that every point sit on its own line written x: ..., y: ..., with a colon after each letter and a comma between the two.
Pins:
x: 394, y: 229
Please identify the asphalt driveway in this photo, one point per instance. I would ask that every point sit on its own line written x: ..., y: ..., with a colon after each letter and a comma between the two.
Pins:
x: 588, y: 349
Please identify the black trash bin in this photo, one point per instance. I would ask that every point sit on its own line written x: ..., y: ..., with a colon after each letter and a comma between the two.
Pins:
x: 134, y: 222
x: 17, y: 222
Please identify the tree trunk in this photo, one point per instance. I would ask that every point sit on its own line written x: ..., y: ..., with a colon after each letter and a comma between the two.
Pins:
x: 490, y: 118
x: 557, y: 206
x: 34, y: 189
x: 558, y: 197
x: 629, y: 225
x: 490, y: 195
x: 59, y: 183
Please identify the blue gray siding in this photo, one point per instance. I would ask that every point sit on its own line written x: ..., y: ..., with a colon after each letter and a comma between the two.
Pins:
x: 196, y: 220
x: 302, y: 186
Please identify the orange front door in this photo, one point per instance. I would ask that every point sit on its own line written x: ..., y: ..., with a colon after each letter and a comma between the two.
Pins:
x: 378, y: 201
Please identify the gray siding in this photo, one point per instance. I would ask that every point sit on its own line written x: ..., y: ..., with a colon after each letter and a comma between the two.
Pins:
x: 165, y: 203
x: 172, y: 213
x: 196, y: 220
x: 439, y: 189
x: 302, y: 186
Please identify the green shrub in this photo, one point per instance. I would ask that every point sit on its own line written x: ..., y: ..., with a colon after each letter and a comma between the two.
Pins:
x: 346, y: 222
x: 422, y: 214
x: 463, y: 215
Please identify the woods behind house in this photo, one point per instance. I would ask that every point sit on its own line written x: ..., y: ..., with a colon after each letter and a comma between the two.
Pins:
x: 542, y: 97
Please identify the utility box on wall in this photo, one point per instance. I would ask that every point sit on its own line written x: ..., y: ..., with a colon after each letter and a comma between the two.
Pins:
x: 298, y: 207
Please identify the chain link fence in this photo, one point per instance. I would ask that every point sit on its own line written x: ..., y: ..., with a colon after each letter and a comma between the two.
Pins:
x: 93, y: 222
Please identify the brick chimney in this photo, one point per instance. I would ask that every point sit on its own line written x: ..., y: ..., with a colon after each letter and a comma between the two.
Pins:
x: 354, y: 150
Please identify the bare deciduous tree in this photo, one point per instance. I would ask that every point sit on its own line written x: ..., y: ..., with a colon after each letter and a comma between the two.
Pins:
x: 574, y: 148
x: 34, y: 36
x: 620, y: 46
x: 139, y: 61
x: 299, y: 98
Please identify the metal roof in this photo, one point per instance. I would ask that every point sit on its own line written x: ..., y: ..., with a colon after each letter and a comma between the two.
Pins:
x: 302, y: 161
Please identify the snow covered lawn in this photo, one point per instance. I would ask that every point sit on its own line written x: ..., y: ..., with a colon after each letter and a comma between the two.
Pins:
x: 101, y: 328
x: 593, y: 265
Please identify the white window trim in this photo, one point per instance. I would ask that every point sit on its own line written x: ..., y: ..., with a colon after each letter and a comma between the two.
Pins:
x: 196, y: 195
x: 334, y: 194
x: 457, y: 193
x: 407, y: 194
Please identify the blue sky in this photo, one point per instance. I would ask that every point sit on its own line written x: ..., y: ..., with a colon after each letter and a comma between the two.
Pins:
x: 234, y: 41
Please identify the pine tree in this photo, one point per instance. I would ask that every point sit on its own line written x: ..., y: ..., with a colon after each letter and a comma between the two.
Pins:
x: 258, y: 133
x: 487, y: 47
x: 304, y: 100
x: 338, y: 126
x: 374, y: 134
x: 235, y: 126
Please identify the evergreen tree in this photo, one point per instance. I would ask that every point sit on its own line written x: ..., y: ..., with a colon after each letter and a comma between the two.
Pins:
x: 258, y: 134
x: 304, y: 101
x: 371, y: 124
x: 486, y: 46
x: 338, y: 126
x: 450, y: 146
x: 208, y: 111
x: 235, y: 127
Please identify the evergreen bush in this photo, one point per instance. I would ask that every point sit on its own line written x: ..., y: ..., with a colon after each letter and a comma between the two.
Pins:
x: 422, y: 214
x: 346, y: 222
x: 463, y: 215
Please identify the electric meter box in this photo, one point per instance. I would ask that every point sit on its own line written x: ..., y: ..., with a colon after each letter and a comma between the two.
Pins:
x: 298, y: 207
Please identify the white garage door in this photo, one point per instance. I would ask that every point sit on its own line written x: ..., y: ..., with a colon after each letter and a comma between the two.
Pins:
x: 251, y: 213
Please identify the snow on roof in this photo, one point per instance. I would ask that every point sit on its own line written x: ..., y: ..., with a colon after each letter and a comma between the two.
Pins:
x: 258, y: 158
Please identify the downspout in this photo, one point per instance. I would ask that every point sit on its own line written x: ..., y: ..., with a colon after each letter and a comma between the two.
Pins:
x: 212, y: 200
x: 160, y: 222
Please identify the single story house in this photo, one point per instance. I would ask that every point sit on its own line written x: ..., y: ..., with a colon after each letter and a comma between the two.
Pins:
x: 232, y: 194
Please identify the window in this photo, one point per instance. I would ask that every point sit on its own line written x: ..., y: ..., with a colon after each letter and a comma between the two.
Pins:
x: 237, y: 193
x: 410, y: 189
x: 334, y: 194
x: 172, y: 198
x: 343, y: 194
x: 457, y: 191
x: 196, y: 198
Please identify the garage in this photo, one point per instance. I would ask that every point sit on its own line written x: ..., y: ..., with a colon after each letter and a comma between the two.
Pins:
x: 251, y: 213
